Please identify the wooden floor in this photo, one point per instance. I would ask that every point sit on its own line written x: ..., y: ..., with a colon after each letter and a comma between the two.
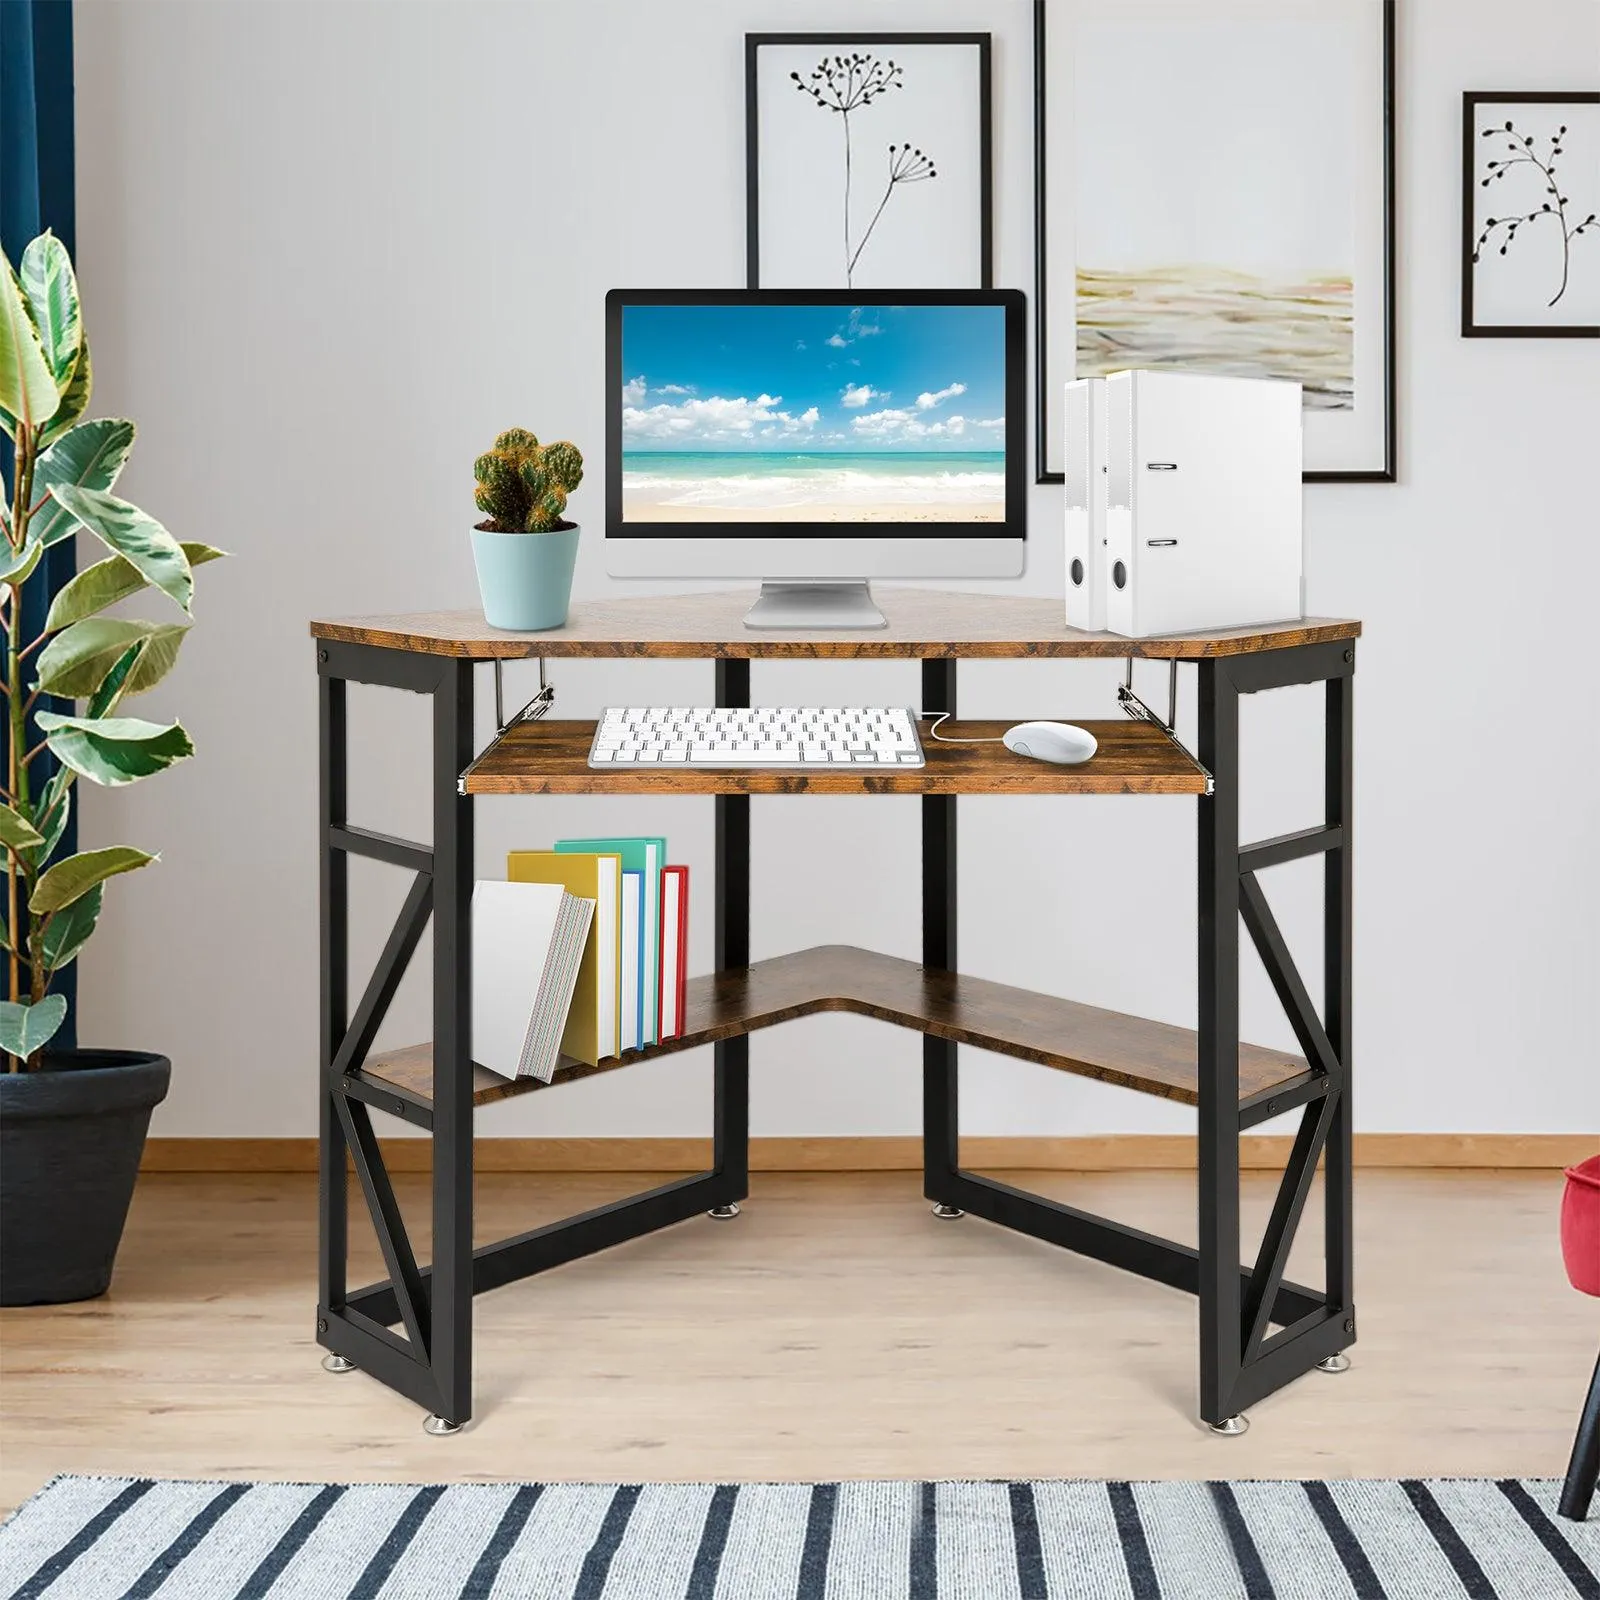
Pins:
x: 835, y: 1330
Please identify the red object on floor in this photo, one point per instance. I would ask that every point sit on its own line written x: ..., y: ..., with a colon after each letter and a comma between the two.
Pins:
x: 1580, y: 1226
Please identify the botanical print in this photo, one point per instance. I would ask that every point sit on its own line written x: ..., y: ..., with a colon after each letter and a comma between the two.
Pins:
x: 1534, y: 183
x: 845, y: 85
x: 867, y: 162
x: 786, y: 413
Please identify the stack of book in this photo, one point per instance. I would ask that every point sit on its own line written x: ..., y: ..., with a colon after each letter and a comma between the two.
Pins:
x: 627, y: 982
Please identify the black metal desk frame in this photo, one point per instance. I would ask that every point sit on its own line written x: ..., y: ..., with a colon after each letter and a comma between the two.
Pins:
x: 1241, y: 1360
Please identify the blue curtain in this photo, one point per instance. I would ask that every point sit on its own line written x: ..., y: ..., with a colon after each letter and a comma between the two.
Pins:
x: 36, y: 192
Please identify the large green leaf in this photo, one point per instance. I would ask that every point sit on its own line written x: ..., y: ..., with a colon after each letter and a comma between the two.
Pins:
x: 114, y: 750
x: 17, y: 567
x: 77, y: 875
x: 104, y: 700
x: 67, y: 931
x: 90, y: 455
x: 75, y: 663
x: 109, y: 581
x: 16, y: 832
x: 52, y: 293
x: 55, y: 806
x: 28, y: 389
x: 157, y: 657
x: 133, y: 534
x: 25, y: 1029
x: 74, y: 399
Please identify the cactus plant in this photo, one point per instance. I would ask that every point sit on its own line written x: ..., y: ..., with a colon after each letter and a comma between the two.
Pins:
x: 523, y: 485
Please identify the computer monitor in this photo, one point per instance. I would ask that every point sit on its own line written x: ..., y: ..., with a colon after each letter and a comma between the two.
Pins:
x: 815, y: 439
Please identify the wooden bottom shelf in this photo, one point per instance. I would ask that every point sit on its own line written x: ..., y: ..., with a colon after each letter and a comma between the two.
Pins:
x: 1132, y: 1052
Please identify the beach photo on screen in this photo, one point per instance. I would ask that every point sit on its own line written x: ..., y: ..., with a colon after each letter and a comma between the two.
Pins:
x: 791, y: 413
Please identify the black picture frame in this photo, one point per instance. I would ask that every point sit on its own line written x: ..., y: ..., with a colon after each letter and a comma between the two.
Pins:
x: 754, y: 42
x: 1388, y: 471
x: 1470, y: 101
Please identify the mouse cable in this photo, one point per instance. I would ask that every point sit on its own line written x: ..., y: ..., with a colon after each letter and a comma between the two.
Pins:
x: 945, y: 716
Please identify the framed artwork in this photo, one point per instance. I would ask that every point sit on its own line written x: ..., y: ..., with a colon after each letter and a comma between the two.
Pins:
x: 1530, y: 215
x: 867, y: 161
x: 1214, y: 191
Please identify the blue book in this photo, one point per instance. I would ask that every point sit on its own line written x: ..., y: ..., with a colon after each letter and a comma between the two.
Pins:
x: 646, y: 857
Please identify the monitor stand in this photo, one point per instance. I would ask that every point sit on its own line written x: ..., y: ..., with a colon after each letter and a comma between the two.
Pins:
x: 811, y: 604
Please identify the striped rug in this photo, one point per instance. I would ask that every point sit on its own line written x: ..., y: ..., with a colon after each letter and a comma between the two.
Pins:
x: 120, y: 1538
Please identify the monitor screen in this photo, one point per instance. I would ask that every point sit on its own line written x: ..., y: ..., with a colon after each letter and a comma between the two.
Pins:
x: 811, y: 414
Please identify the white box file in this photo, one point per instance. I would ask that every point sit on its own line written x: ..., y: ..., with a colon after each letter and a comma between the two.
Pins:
x: 1203, y: 502
x: 1084, y: 476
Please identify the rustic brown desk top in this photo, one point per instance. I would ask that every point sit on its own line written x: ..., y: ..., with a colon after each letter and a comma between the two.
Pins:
x: 923, y: 623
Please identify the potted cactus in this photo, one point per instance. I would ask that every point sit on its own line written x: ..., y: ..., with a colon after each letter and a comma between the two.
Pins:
x: 525, y: 548
x: 72, y: 1122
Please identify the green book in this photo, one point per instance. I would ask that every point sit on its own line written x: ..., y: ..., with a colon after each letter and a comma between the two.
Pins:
x: 647, y: 856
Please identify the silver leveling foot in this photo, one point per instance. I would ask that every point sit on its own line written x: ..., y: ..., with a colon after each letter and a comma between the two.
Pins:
x: 947, y: 1213
x: 336, y: 1363
x: 441, y: 1427
x: 1338, y: 1362
x: 724, y: 1213
x: 1230, y: 1427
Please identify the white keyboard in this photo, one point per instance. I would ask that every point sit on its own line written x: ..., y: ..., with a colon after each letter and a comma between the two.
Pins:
x: 762, y: 736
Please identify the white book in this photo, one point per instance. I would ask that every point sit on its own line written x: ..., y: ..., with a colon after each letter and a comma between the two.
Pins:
x: 632, y: 960
x: 527, y: 940
x: 674, y: 887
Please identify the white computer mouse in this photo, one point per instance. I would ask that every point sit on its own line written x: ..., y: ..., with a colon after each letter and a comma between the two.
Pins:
x: 1059, y: 742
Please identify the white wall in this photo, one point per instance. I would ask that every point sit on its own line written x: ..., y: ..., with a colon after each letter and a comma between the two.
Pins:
x: 328, y: 251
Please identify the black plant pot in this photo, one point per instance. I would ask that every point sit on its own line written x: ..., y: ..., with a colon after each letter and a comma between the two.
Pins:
x: 71, y: 1137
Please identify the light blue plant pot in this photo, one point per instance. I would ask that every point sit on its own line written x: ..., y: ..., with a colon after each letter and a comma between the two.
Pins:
x: 525, y: 578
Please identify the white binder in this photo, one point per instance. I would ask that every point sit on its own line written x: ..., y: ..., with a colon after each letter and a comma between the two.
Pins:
x: 1203, y: 502
x: 1084, y: 475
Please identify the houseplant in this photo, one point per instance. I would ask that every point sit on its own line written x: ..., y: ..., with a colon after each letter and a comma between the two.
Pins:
x: 72, y: 1122
x: 525, y: 548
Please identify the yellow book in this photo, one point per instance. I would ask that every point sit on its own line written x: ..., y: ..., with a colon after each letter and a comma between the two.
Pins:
x: 594, y: 1024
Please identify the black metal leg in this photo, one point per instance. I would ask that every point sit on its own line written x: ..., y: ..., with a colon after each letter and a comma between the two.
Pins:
x: 731, y: 1095
x: 1220, y: 1311
x: 332, y: 1195
x: 343, y: 1327
x: 432, y: 1363
x: 1584, y: 1469
x: 941, y: 1136
x: 1337, y: 943
x: 451, y: 1352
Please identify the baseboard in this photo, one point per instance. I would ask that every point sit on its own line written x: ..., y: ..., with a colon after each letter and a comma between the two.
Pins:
x: 1106, y: 1153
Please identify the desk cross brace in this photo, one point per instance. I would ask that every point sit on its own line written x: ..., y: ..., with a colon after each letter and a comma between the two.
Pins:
x: 1241, y: 1358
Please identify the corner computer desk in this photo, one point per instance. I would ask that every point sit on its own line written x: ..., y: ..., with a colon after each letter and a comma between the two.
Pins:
x: 1257, y: 1330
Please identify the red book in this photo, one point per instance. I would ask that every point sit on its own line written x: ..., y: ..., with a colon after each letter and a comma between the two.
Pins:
x: 674, y: 949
